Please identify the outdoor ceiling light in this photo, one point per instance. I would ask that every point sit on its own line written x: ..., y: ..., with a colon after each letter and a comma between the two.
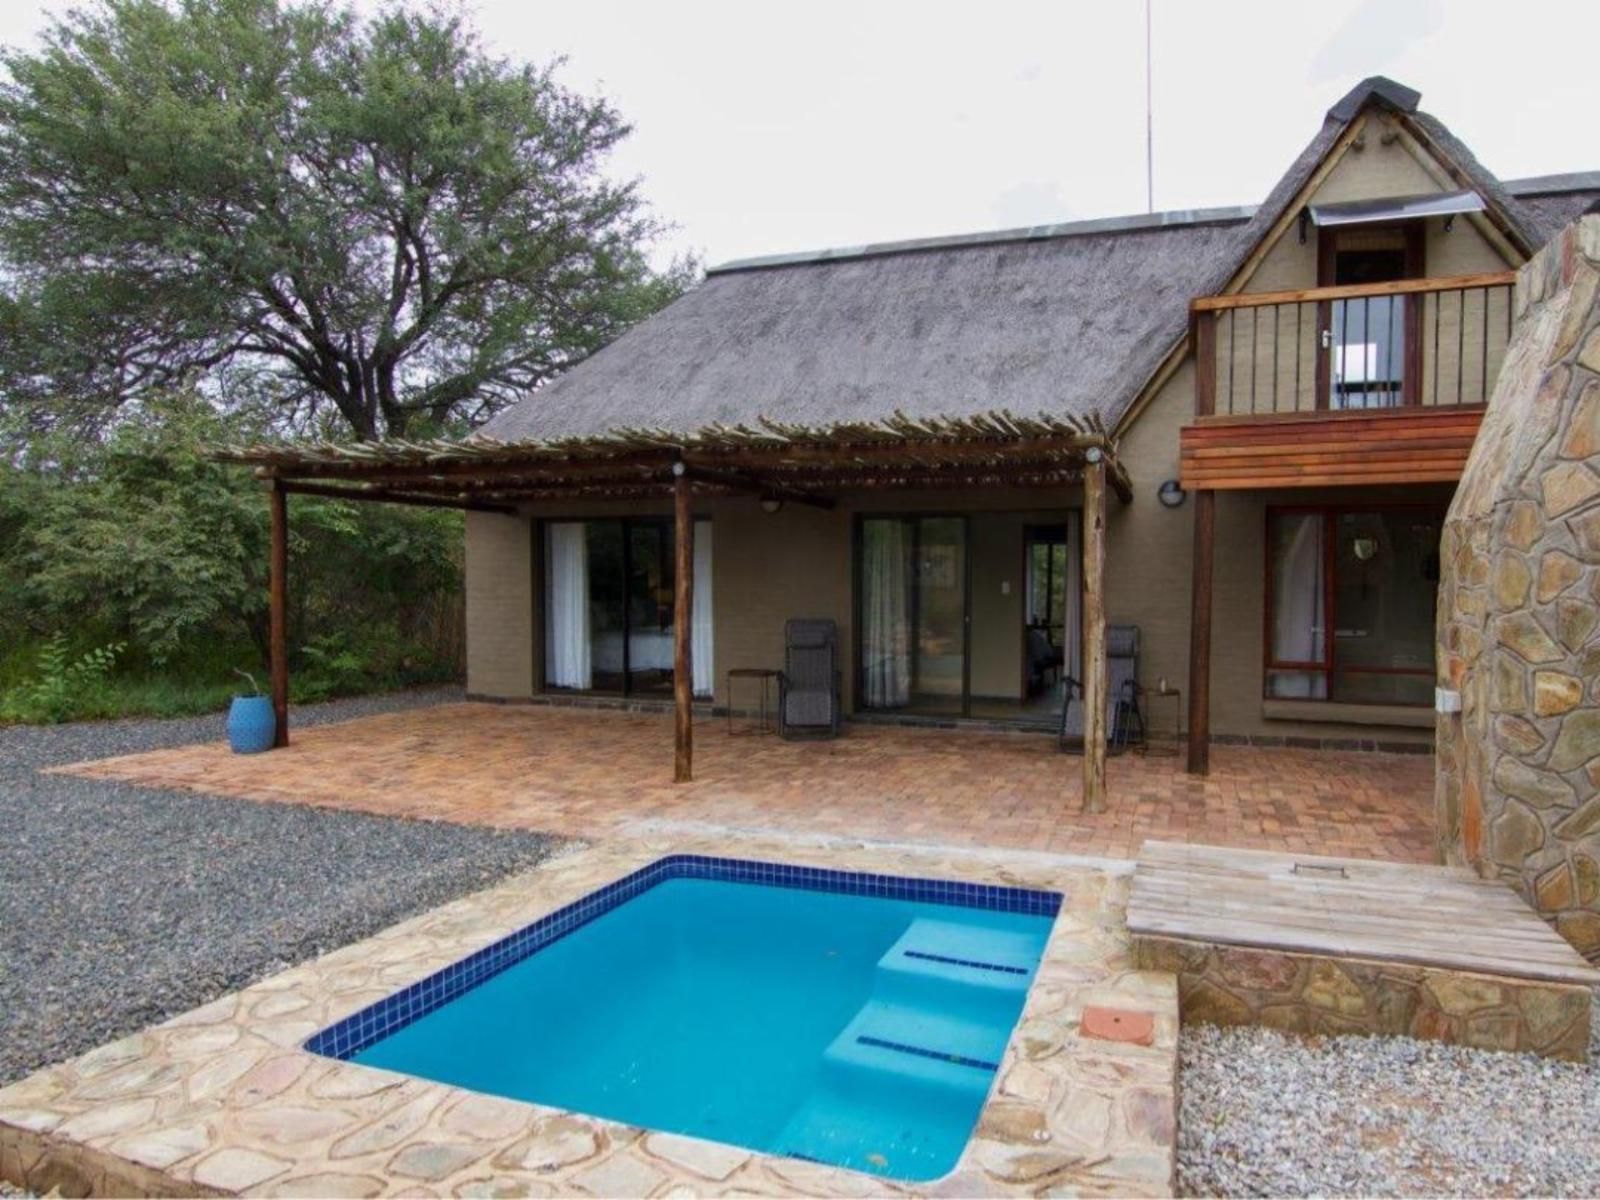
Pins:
x: 1171, y: 494
x: 771, y: 504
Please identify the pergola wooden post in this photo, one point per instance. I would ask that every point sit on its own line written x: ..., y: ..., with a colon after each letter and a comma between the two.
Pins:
x: 1205, y: 536
x: 683, y: 628
x: 1094, y: 632
x: 278, y: 610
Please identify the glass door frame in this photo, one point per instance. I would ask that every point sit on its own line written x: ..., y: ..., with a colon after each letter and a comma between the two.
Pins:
x: 1329, y: 665
x: 857, y: 595
x: 627, y: 522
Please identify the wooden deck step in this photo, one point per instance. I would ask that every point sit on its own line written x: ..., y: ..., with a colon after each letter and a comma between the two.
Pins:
x: 1428, y: 951
x: 1385, y: 912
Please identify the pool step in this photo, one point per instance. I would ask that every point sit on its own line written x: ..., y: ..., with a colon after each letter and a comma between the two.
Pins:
x: 980, y: 974
x: 925, y: 1047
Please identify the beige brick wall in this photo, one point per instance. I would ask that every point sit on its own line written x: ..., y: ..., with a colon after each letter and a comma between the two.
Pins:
x: 501, y: 646
x: 768, y: 568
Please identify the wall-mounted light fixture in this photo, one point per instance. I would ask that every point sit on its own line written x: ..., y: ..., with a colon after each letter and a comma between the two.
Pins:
x: 771, y: 504
x: 1171, y: 494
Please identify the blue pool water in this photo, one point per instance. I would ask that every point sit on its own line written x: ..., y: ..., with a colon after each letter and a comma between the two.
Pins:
x: 858, y: 1030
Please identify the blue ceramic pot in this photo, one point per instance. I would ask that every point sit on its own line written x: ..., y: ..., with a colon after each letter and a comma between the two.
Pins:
x: 251, y: 724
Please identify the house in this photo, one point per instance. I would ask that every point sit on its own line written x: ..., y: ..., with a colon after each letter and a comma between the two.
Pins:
x: 915, y: 439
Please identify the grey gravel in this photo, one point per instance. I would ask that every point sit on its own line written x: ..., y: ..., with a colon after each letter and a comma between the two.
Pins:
x: 1270, y: 1114
x: 121, y: 906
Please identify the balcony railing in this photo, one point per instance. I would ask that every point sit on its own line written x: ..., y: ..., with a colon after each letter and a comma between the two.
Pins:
x: 1407, y: 344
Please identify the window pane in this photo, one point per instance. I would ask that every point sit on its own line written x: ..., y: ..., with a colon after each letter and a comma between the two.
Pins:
x: 939, y: 652
x: 1386, y: 576
x: 1297, y: 685
x: 1357, y: 687
x: 650, y: 606
x: 606, y: 595
x: 885, y: 612
x: 1368, y: 352
x: 1299, y: 623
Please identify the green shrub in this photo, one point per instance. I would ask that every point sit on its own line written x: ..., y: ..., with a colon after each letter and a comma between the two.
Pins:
x: 139, y: 539
x: 63, y: 686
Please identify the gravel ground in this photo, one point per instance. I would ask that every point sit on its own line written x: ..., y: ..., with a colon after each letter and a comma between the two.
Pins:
x: 120, y: 906
x: 1266, y: 1114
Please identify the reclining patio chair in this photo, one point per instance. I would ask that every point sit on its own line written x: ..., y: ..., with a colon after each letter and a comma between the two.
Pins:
x: 1124, y: 716
x: 808, y: 688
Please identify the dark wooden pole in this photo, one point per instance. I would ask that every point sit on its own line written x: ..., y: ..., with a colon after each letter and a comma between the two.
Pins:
x: 1203, y: 558
x: 1095, y: 682
x: 1205, y: 536
x: 683, y: 629
x: 278, y: 610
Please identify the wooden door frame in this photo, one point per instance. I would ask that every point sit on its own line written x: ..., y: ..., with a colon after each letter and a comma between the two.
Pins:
x: 1416, y: 267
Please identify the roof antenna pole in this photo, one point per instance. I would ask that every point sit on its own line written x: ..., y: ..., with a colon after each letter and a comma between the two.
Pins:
x: 1149, y: 123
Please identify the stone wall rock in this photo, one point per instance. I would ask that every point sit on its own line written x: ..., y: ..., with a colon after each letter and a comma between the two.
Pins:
x: 1518, y: 788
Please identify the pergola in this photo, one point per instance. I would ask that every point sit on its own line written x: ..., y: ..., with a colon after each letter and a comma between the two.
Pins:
x: 803, y: 464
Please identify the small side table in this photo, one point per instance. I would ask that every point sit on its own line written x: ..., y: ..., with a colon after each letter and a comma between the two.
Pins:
x: 1160, y: 750
x: 764, y: 723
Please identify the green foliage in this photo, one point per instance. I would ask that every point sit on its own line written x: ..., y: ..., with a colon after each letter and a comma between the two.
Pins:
x: 365, y: 223
x: 138, y: 538
x: 62, y: 682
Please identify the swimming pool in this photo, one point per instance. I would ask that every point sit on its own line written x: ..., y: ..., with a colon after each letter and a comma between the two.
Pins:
x: 844, y: 1017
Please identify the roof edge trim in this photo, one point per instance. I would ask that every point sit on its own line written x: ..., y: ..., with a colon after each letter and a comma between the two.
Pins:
x: 1028, y: 233
x: 1547, y: 185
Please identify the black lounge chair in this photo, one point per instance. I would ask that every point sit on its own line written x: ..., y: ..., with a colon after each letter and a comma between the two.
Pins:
x: 808, y: 688
x: 1124, y: 716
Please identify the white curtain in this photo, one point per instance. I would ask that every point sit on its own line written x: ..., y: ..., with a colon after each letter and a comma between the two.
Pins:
x: 704, y: 665
x: 886, y: 623
x: 1072, y: 590
x: 1299, y: 617
x: 566, y: 643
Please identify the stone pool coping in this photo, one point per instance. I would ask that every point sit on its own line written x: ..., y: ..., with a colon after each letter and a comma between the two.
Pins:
x: 224, y: 1100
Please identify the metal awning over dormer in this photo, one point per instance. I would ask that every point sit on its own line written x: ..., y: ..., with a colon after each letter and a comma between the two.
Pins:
x: 1396, y: 208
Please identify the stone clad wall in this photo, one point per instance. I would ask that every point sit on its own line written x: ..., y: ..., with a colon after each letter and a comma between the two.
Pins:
x: 1518, y: 789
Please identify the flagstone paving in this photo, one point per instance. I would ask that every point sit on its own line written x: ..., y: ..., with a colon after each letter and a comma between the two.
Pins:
x: 595, y: 774
x: 224, y: 1099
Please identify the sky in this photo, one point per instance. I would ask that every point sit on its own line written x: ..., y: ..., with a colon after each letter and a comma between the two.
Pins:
x: 762, y: 127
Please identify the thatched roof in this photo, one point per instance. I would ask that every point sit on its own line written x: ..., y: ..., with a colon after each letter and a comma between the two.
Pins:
x: 1556, y: 201
x: 1025, y: 325
x: 1066, y: 319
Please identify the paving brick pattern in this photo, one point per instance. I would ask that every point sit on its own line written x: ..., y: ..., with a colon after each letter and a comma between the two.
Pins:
x: 597, y: 774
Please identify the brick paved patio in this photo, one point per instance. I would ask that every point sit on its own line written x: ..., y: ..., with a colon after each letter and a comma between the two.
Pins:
x: 592, y: 774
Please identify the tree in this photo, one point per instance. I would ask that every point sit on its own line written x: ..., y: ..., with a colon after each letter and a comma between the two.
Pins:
x: 368, y: 217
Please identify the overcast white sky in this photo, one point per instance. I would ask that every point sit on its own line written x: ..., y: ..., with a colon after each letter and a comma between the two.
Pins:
x: 763, y: 127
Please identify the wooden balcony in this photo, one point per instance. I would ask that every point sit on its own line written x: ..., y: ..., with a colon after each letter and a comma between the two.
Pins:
x: 1373, y: 383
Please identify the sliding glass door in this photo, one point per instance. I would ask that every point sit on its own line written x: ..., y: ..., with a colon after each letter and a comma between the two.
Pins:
x: 913, y: 616
x: 608, y: 600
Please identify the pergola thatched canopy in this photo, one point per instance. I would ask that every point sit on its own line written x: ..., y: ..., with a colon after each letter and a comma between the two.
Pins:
x: 806, y: 463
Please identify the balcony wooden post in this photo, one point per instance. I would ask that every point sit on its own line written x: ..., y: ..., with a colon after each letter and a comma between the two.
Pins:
x: 682, y: 629
x: 1203, y: 559
x: 1205, y: 531
x: 278, y: 610
x: 1095, y: 682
